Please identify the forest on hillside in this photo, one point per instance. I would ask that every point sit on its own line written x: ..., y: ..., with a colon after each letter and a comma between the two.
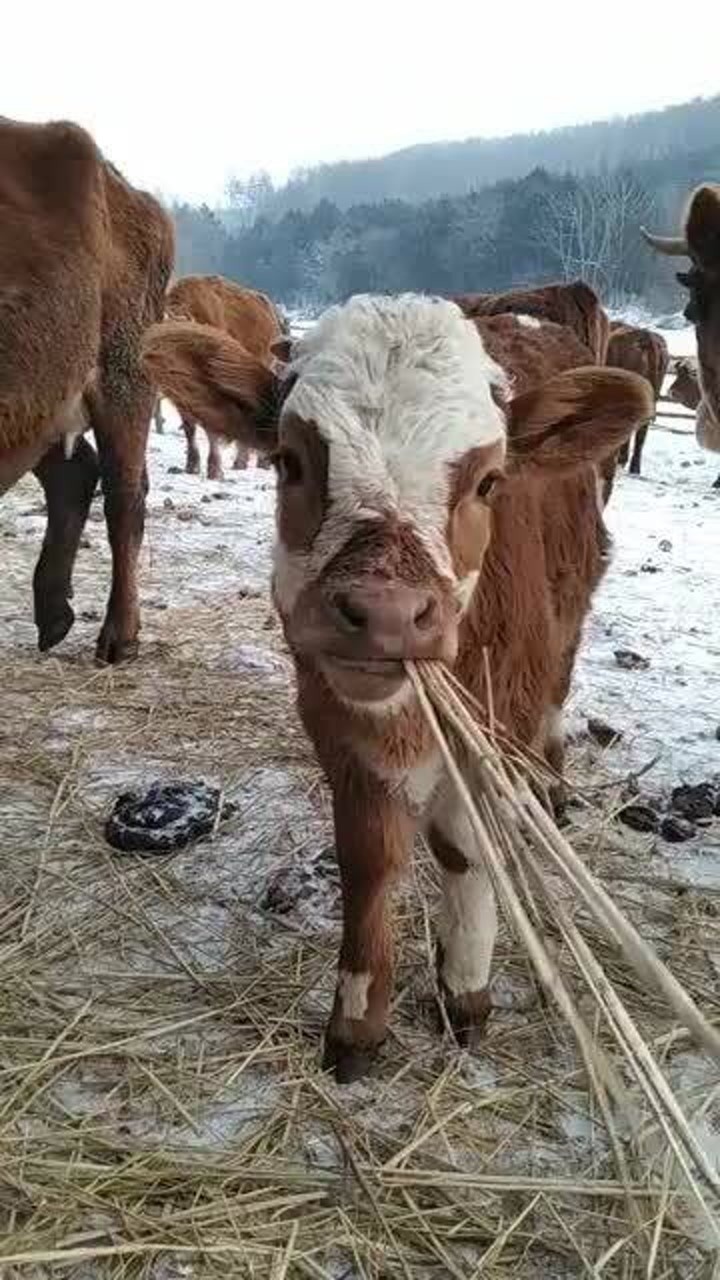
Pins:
x: 545, y: 224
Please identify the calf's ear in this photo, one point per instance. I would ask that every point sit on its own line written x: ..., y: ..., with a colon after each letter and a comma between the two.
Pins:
x: 213, y: 380
x: 575, y: 418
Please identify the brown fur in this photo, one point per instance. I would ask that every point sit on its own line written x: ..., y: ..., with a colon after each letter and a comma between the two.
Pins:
x: 84, y: 263
x: 685, y: 386
x: 646, y: 353
x: 575, y: 305
x: 537, y: 537
x: 245, y: 315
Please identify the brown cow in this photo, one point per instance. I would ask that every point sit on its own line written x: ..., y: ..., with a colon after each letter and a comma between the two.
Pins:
x: 574, y: 305
x: 247, y: 316
x: 423, y: 512
x: 644, y: 352
x: 84, y: 264
x: 685, y: 386
x: 700, y: 242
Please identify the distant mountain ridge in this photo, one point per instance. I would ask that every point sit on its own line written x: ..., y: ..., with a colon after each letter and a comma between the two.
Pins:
x: 429, y: 170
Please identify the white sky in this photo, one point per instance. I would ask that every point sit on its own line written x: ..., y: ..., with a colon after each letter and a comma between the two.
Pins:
x: 181, y: 94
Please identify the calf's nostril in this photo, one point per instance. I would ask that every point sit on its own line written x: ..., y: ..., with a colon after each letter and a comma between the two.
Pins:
x: 425, y: 614
x: 350, y: 611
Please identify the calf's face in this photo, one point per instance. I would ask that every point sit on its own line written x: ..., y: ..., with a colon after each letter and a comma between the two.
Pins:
x: 389, y: 446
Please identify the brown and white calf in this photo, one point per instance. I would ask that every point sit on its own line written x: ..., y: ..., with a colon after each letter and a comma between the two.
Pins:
x: 84, y: 264
x: 247, y: 316
x: 644, y: 352
x: 426, y: 509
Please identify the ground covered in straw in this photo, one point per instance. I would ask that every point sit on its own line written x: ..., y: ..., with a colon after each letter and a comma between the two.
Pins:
x: 162, y: 1109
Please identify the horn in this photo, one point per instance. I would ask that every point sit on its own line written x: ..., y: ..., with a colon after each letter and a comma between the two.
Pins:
x: 672, y: 246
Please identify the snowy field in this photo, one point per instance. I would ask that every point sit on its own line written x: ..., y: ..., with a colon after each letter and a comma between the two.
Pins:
x: 162, y: 1112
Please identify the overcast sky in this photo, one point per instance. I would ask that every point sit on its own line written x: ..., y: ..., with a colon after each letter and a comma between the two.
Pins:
x: 180, y: 95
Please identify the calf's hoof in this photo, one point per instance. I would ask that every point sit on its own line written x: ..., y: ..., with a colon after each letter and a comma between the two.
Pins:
x: 192, y: 467
x: 348, y: 1062
x: 112, y: 649
x: 53, y: 626
x: 214, y: 471
x: 467, y: 1014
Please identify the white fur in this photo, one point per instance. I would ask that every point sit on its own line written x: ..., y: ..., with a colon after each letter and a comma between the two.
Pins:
x: 465, y: 587
x: 467, y: 930
x: 529, y: 322
x: 422, y: 782
x: 69, y: 441
x: 353, y: 992
x: 468, y: 921
x: 553, y: 725
x: 399, y: 388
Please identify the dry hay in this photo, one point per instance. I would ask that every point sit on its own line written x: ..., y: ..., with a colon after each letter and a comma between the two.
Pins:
x: 162, y: 1111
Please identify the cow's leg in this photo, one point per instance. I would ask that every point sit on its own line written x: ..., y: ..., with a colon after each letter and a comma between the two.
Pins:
x: 192, y: 453
x: 158, y: 417
x: 241, y: 459
x: 373, y: 836
x: 263, y: 461
x: 69, y: 485
x: 638, y: 446
x: 214, y: 466
x: 468, y: 921
x: 121, y: 420
x: 623, y: 454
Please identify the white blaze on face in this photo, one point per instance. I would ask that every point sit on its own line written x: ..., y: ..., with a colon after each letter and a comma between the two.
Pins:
x: 399, y: 388
x: 529, y: 322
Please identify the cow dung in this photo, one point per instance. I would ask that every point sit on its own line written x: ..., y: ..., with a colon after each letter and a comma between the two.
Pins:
x: 168, y: 816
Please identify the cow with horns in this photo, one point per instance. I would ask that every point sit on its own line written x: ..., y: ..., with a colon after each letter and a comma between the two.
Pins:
x: 434, y: 501
x: 700, y: 242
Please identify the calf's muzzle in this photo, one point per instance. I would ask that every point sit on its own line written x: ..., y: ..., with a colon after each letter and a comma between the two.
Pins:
x: 388, y: 622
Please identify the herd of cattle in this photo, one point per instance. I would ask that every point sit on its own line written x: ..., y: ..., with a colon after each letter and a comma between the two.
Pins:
x: 442, y: 469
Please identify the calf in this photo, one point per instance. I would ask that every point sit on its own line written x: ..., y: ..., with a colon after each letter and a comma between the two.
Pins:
x: 247, y: 316
x: 685, y: 386
x: 575, y: 305
x: 84, y: 264
x: 427, y: 508
x: 644, y: 352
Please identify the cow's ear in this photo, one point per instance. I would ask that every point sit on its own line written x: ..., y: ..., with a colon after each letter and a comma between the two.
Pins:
x: 574, y: 419
x: 213, y: 380
x: 702, y: 228
x: 281, y: 348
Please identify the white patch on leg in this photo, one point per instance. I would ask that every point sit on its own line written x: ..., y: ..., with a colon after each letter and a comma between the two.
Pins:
x: 467, y: 930
x: 69, y: 441
x: 353, y: 992
x: 468, y: 918
x: 554, y: 728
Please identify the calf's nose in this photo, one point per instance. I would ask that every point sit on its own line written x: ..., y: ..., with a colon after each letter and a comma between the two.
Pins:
x: 390, y: 621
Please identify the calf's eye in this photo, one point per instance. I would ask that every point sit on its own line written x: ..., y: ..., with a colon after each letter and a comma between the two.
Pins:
x: 288, y: 467
x: 487, y: 484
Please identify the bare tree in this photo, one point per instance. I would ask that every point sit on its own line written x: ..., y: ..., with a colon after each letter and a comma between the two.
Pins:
x: 591, y: 230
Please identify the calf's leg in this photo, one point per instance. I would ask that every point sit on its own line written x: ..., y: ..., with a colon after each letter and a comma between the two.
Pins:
x: 638, y: 446
x: 468, y: 921
x: 373, y: 836
x: 192, y: 453
x: 69, y: 485
x: 214, y: 466
x: 241, y: 458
